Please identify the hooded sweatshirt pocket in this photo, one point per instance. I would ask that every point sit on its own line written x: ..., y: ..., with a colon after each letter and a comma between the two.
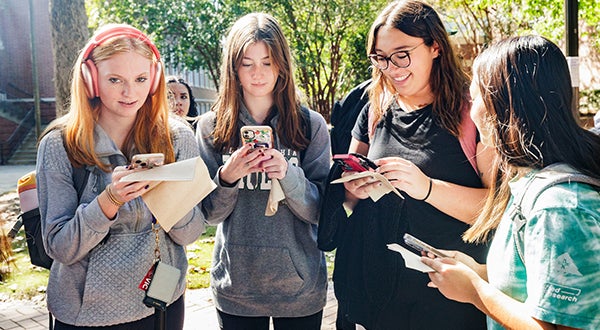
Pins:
x: 244, y: 271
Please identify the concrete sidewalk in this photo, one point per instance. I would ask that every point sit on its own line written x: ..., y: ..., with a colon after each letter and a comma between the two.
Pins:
x: 9, y: 174
x: 200, y: 313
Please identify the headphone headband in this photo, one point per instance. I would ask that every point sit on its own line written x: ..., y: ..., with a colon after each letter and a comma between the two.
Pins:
x: 88, y: 68
x: 119, y: 31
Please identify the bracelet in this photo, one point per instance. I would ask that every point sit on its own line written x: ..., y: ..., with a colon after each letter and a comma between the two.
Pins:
x: 112, y: 198
x: 428, y: 191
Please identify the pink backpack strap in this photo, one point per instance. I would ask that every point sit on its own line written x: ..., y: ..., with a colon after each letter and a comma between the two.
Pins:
x: 370, y: 122
x: 468, y: 136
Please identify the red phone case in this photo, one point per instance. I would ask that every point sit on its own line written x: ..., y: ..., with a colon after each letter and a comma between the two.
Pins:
x: 350, y: 163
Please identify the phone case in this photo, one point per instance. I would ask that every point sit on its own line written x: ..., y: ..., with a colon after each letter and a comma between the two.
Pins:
x: 147, y: 160
x: 162, y: 286
x: 259, y: 136
x: 354, y: 162
x: 419, y: 245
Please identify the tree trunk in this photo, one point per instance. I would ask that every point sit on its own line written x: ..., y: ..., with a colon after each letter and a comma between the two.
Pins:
x: 69, y: 34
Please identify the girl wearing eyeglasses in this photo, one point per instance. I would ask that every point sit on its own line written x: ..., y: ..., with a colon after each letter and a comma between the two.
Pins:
x: 413, y: 129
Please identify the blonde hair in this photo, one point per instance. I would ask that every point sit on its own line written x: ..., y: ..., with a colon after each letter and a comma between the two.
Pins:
x: 150, y: 132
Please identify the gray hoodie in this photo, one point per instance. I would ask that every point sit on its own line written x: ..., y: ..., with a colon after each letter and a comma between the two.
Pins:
x: 94, y: 281
x: 268, y: 266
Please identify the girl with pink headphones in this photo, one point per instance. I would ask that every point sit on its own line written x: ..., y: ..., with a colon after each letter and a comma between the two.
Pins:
x: 103, y: 239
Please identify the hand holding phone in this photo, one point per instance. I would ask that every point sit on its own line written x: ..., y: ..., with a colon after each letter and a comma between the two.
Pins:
x: 354, y: 162
x: 258, y: 136
x: 419, y: 245
x: 147, y: 160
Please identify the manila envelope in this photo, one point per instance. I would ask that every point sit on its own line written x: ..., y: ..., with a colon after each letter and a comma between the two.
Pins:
x: 183, y: 185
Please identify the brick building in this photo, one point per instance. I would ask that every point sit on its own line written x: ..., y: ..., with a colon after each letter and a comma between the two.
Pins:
x: 17, y: 117
x: 16, y: 79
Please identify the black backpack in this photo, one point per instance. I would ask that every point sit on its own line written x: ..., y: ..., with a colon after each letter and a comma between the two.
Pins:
x: 344, y: 115
x: 32, y: 222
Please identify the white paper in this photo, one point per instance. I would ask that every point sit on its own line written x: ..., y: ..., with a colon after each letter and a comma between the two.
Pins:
x: 411, y: 259
x: 178, y: 171
x: 376, y: 193
x: 275, y: 196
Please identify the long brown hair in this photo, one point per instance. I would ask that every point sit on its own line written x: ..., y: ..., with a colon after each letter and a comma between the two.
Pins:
x: 525, y: 85
x: 448, y: 81
x: 151, y: 130
x: 248, y: 30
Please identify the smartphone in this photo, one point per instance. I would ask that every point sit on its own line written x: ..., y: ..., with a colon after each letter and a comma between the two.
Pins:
x: 147, y: 160
x: 419, y: 245
x: 354, y: 162
x: 258, y: 136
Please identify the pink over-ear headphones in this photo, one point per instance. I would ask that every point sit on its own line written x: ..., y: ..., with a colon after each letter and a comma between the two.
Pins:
x: 89, y: 71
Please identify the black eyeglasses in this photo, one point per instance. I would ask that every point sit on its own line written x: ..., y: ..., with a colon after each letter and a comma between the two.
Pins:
x: 400, y: 59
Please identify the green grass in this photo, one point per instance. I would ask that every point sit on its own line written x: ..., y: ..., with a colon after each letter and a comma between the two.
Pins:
x: 199, y: 258
x: 27, y: 281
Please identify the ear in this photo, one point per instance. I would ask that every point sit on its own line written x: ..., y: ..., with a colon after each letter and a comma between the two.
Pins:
x: 435, y: 49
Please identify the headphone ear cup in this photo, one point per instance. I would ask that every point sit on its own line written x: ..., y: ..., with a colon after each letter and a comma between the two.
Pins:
x: 90, y: 78
x: 155, y: 77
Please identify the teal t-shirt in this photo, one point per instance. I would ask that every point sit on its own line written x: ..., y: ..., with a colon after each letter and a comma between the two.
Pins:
x: 560, y: 279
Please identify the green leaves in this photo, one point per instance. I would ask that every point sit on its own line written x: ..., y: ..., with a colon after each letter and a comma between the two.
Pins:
x: 328, y: 38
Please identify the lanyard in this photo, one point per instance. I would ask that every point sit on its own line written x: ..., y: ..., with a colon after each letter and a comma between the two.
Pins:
x: 155, y: 229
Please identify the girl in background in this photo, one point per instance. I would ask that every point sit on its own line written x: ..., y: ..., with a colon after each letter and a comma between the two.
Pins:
x: 181, y: 100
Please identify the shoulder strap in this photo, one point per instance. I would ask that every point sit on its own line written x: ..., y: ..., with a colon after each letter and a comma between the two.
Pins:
x: 543, y: 180
x: 80, y: 179
x: 307, y: 129
x: 468, y: 137
x: 81, y: 174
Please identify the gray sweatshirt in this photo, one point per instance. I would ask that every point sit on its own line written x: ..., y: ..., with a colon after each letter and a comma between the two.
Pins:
x: 268, y: 266
x: 94, y: 282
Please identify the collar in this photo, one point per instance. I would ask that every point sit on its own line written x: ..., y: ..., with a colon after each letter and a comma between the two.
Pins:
x: 246, y: 119
x: 104, y: 145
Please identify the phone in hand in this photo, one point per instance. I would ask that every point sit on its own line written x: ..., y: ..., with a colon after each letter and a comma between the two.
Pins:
x: 147, y: 160
x: 354, y: 162
x: 419, y: 245
x: 259, y: 136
